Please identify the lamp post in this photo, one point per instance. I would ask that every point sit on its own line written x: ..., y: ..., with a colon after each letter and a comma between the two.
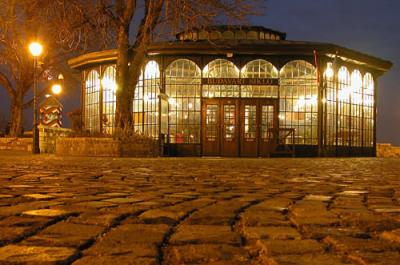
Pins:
x: 36, y: 50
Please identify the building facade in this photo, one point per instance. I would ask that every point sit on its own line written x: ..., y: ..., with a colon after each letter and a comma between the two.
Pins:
x: 243, y: 91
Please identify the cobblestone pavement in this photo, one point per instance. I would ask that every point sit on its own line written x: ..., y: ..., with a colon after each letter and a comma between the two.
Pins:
x: 191, y: 211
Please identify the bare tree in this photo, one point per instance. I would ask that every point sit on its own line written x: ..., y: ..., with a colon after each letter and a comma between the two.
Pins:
x: 22, y: 21
x: 15, y: 66
x: 114, y: 20
x: 159, y: 17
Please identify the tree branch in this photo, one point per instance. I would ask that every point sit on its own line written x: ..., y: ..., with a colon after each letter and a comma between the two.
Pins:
x: 6, y: 84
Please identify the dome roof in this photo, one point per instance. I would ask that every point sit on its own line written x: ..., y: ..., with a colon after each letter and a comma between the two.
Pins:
x: 231, y: 32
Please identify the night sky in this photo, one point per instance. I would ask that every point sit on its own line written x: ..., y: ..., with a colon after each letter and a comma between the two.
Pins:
x: 369, y: 26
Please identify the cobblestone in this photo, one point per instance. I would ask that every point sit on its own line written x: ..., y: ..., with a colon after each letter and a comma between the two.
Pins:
x: 192, y: 211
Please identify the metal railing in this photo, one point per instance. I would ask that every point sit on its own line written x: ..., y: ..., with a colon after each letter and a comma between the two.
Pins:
x: 282, y: 141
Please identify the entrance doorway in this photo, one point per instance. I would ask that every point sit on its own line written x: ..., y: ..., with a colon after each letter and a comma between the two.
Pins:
x: 238, y: 127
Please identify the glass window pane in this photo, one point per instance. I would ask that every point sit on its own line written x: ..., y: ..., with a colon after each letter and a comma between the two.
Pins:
x: 183, y: 85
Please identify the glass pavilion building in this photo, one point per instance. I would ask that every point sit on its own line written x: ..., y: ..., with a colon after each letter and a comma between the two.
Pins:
x: 242, y: 91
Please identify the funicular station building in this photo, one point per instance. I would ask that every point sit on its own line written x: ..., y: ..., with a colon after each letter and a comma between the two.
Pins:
x: 243, y: 91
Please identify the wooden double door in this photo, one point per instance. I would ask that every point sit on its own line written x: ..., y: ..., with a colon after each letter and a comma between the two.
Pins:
x: 238, y: 127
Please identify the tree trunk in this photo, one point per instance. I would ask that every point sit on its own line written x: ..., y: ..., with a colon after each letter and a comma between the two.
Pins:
x: 17, y: 109
x: 123, y: 113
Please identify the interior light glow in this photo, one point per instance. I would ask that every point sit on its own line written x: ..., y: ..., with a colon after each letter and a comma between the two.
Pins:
x: 152, y: 70
x: 109, y: 84
x: 329, y: 71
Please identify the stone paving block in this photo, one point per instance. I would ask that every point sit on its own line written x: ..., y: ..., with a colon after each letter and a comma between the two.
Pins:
x: 115, y: 260
x: 95, y: 218
x: 47, y: 213
x: 320, y: 232
x: 38, y: 196
x: 253, y: 217
x: 311, y: 259
x: 369, y: 221
x: 393, y: 236
x: 10, y: 234
x: 351, y: 244
x: 140, y: 240
x: 292, y: 247
x: 24, y: 221
x: 28, y: 206
x: 272, y: 232
x: 15, y: 254
x: 197, y: 234
x: 64, y: 234
x: 204, y: 253
x: 278, y: 204
x: 380, y: 258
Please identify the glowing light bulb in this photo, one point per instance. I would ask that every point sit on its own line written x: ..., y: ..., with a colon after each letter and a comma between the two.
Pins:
x: 56, y: 89
x: 36, y: 49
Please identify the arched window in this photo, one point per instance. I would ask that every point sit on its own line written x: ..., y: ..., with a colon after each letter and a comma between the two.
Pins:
x: 91, y: 103
x: 240, y: 35
x: 252, y: 35
x: 299, y: 100
x: 203, y: 35
x: 138, y: 106
x: 259, y: 69
x: 356, y: 108
x: 329, y: 105
x: 228, y: 35
x: 220, y: 68
x: 183, y: 86
x: 215, y: 35
x: 151, y: 90
x: 109, y: 86
x: 344, y: 90
x: 368, y: 109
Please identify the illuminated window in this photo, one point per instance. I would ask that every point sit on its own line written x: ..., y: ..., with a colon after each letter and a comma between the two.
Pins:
x: 259, y: 69
x: 329, y: 106
x: 183, y: 86
x: 368, y: 110
x: 221, y: 68
x: 252, y: 35
x: 344, y: 96
x: 203, y: 35
x: 151, y: 90
x: 109, y: 87
x: 356, y: 109
x: 240, y: 35
x: 91, y: 102
x: 138, y: 106
x: 299, y: 101
x: 228, y: 35
x: 215, y: 35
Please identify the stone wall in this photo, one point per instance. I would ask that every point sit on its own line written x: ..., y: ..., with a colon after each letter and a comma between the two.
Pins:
x: 387, y: 150
x: 48, y: 136
x: 16, y: 144
x: 90, y: 146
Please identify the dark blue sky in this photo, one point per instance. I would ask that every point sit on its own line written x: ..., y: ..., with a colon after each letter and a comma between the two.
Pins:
x: 370, y: 26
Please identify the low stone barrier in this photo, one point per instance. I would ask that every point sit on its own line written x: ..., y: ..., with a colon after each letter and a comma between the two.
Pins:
x: 90, y: 146
x: 48, y: 136
x: 387, y: 150
x: 16, y: 144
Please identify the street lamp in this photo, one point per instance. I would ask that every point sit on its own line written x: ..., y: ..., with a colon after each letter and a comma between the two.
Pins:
x: 56, y: 89
x: 36, y: 50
